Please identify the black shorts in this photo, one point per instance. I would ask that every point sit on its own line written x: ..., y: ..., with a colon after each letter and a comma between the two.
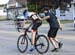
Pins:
x: 52, y: 32
x: 36, y: 24
x: 19, y: 19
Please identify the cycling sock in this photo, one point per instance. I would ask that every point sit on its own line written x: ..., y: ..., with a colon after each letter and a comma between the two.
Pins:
x: 32, y: 46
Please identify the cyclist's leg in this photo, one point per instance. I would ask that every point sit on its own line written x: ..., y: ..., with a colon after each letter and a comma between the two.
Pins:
x: 35, y: 27
x: 34, y: 30
x: 33, y: 37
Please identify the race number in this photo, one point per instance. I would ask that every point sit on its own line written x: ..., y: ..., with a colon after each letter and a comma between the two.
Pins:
x: 34, y: 17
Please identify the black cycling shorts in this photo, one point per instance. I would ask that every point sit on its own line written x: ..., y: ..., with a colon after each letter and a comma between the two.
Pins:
x: 19, y: 19
x: 52, y: 32
x: 36, y: 24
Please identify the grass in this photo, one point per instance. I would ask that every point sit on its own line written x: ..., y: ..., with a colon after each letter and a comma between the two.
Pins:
x: 66, y: 21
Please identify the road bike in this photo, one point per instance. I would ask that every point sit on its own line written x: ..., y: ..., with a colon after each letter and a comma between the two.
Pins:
x: 41, y: 42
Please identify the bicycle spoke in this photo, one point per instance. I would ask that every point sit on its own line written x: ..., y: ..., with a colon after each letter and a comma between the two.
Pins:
x: 42, y: 44
x: 22, y: 43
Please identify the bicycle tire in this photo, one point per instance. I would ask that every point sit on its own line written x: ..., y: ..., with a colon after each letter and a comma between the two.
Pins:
x: 18, y: 46
x: 47, y: 41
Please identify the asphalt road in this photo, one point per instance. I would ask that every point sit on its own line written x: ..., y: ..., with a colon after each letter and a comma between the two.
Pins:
x: 9, y: 36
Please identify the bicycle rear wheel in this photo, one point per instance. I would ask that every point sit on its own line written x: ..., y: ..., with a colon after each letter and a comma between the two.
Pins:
x: 42, y: 44
x: 22, y: 43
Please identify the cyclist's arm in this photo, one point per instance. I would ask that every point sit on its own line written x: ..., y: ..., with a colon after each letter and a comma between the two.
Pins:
x: 39, y: 17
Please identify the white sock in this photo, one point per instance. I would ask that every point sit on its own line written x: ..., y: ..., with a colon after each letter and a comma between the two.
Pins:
x: 32, y: 46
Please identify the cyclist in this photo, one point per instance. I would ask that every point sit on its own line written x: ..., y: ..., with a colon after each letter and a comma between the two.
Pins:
x: 54, y: 24
x: 36, y: 20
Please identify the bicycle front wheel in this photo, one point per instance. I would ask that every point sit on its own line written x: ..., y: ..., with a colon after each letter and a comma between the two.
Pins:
x: 42, y: 44
x: 22, y: 43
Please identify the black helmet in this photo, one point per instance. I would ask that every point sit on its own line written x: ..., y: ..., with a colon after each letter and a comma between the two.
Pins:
x: 25, y: 12
x: 45, y: 8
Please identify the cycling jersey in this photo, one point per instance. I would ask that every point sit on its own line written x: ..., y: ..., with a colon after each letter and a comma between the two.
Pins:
x: 35, y: 19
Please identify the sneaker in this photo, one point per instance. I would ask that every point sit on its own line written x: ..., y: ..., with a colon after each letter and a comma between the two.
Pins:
x: 60, y: 45
x: 55, y: 50
x: 32, y: 49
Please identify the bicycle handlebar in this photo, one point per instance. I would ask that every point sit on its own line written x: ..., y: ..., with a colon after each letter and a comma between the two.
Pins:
x: 26, y: 30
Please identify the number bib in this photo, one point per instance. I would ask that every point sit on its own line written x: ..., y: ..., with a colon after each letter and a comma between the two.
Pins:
x: 35, y: 17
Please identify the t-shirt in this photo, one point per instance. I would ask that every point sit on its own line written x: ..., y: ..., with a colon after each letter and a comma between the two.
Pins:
x: 53, y: 22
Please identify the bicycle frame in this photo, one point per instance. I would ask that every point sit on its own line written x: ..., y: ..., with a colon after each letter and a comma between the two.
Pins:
x: 38, y: 41
x: 27, y: 31
x: 26, y: 35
